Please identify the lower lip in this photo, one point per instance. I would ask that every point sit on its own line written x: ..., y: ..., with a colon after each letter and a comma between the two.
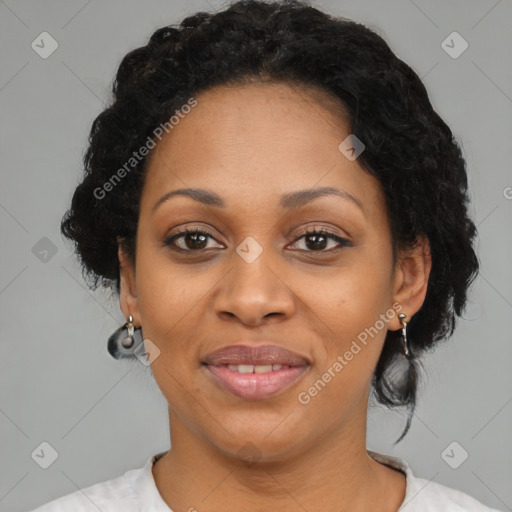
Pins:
x: 255, y: 386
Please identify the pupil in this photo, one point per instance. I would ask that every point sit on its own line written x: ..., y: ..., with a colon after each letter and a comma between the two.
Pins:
x: 195, y: 238
x: 316, y: 246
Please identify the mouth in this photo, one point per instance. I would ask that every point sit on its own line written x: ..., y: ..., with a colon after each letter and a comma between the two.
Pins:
x: 255, y: 372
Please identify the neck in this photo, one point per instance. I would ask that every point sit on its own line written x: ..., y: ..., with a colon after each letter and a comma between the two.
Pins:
x: 336, y: 472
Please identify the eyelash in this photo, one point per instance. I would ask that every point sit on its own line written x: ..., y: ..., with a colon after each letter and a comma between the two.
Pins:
x: 169, y: 241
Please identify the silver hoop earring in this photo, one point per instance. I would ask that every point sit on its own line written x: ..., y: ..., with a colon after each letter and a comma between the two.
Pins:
x: 125, y: 340
x: 405, y: 339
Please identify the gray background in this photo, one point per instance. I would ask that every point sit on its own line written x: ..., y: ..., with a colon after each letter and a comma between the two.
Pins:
x: 103, y: 417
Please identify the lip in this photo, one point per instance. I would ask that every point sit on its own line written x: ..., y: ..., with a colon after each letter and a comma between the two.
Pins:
x: 255, y: 386
x: 254, y: 354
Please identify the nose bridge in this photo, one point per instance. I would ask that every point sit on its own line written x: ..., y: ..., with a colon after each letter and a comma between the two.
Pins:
x: 252, y: 289
x: 252, y: 267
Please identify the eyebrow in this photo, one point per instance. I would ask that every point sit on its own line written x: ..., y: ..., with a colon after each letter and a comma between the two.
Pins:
x: 289, y: 200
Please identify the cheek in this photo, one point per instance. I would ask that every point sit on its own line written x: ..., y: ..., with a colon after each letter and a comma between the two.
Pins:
x: 171, y: 306
x: 167, y: 292
x: 353, y: 295
x: 351, y: 305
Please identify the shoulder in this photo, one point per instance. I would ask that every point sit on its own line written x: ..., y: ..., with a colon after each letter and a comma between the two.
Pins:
x: 423, y: 495
x: 429, y: 496
x: 116, y: 494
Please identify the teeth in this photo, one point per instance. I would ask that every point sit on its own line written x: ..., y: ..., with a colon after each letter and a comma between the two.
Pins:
x: 255, y: 368
x: 262, y: 368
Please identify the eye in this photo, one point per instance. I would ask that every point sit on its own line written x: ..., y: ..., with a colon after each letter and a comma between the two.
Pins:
x: 192, y: 240
x: 316, y: 240
x: 196, y: 240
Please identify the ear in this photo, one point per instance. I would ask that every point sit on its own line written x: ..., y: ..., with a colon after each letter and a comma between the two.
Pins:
x: 128, y: 291
x: 410, y: 283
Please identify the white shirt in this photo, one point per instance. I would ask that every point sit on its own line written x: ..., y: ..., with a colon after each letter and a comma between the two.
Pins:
x: 136, y: 491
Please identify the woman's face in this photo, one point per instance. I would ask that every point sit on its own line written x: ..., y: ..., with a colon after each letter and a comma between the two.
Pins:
x: 255, y: 280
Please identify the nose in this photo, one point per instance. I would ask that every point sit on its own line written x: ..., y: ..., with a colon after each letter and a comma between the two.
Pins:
x: 253, y: 293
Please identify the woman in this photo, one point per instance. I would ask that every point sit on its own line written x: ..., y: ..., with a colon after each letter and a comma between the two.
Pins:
x: 284, y: 217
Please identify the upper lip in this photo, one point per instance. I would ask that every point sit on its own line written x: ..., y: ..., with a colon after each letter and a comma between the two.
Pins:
x: 254, y: 354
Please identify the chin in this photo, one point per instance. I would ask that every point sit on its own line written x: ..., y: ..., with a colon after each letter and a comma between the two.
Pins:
x: 257, y: 437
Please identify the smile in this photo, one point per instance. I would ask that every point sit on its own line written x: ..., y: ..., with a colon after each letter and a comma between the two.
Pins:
x: 255, y: 372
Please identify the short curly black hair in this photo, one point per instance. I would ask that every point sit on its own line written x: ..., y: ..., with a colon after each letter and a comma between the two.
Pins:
x: 409, y: 148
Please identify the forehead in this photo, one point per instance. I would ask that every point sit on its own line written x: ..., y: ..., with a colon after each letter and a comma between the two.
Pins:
x: 258, y: 140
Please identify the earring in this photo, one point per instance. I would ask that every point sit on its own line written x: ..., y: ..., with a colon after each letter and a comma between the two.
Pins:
x: 405, y: 340
x: 124, y: 341
x: 128, y: 341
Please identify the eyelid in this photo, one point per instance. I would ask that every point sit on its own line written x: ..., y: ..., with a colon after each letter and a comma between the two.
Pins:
x: 169, y: 240
x: 341, y: 240
x: 309, y: 230
x: 319, y: 229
